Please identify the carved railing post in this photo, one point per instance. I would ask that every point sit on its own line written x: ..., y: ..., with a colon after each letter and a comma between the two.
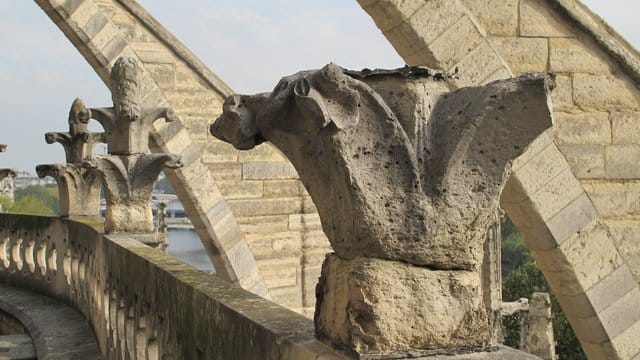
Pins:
x: 78, y: 190
x: 161, y: 225
x: 406, y: 178
x: 7, y: 190
x: 540, y: 340
x: 129, y: 173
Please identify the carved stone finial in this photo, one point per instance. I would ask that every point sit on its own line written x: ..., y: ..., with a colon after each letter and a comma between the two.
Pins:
x: 128, y: 174
x: 78, y: 190
x: 406, y: 179
x: 128, y: 183
x: 78, y: 142
x: 126, y: 124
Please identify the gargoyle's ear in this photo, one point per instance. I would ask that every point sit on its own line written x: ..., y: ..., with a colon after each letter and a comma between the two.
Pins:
x: 311, y: 102
x: 341, y: 100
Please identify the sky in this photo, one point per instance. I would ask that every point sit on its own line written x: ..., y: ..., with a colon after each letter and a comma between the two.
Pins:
x: 250, y: 44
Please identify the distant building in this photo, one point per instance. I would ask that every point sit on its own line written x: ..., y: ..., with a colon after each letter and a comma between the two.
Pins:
x: 27, y: 178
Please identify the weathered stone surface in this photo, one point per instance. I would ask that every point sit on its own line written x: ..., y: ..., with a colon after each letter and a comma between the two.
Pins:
x: 562, y: 95
x: 129, y: 174
x: 17, y: 347
x: 356, y: 157
x: 499, y: 17
x: 626, y: 238
x: 128, y: 181
x: 523, y: 54
x: 369, y: 305
x: 537, y: 20
x: 127, y: 125
x: 625, y: 127
x: 621, y: 161
x: 58, y: 331
x: 479, y: 65
x: 568, y: 55
x: 586, y: 161
x: 582, y: 128
x: 78, y: 189
x: 604, y: 91
x: 403, y: 171
x: 78, y: 142
x: 141, y: 302
x: 540, y: 339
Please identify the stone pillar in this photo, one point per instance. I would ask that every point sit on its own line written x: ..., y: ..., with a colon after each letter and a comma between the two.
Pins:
x: 492, y: 274
x: 540, y: 340
x: 129, y: 173
x: 406, y: 178
x: 161, y: 226
x: 78, y: 190
x: 8, y: 186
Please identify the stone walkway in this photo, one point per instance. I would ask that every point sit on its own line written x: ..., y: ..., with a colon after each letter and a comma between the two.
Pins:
x: 57, y: 330
x: 17, y: 347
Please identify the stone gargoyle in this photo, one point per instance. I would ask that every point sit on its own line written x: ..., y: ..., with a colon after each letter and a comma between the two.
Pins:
x: 423, y: 197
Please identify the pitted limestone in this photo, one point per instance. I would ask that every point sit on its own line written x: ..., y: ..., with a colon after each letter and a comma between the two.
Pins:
x: 399, y: 170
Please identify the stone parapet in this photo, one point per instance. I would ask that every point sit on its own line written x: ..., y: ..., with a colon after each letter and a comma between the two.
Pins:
x: 142, y: 303
x: 102, y: 31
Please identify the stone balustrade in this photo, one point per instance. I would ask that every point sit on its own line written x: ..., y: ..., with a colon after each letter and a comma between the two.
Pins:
x: 144, y: 304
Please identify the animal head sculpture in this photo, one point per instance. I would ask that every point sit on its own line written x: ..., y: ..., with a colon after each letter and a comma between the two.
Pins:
x: 378, y: 194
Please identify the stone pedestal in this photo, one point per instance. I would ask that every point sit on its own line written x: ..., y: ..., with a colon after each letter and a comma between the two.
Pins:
x: 378, y: 306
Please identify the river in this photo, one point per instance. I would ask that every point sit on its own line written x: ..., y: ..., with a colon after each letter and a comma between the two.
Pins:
x: 186, y: 246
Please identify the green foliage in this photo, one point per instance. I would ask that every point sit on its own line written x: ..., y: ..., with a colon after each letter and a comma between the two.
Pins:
x: 29, y: 204
x: 521, y: 279
x: 37, y: 200
x: 514, y: 253
x: 32, y: 197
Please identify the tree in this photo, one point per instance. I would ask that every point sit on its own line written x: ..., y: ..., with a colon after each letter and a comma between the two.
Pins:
x: 29, y: 204
x: 521, y: 279
x: 32, y: 197
x: 37, y: 200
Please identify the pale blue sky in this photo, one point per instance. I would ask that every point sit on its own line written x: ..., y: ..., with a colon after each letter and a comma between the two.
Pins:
x: 250, y: 44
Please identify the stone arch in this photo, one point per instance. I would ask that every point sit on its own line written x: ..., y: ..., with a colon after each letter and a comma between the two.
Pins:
x: 563, y: 192
x: 103, y: 31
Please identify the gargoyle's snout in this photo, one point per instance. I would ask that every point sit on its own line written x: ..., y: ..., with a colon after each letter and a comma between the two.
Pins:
x: 237, y: 124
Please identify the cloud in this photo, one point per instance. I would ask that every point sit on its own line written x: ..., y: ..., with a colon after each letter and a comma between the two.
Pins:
x: 252, y: 44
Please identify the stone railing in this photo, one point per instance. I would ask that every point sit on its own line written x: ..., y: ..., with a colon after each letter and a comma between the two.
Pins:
x: 536, y: 328
x: 144, y: 304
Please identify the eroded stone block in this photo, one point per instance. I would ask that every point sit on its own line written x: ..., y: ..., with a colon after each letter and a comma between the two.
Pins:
x: 377, y: 306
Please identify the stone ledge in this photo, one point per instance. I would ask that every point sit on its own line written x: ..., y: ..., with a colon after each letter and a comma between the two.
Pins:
x: 17, y: 347
x: 58, y: 331
x: 501, y: 353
